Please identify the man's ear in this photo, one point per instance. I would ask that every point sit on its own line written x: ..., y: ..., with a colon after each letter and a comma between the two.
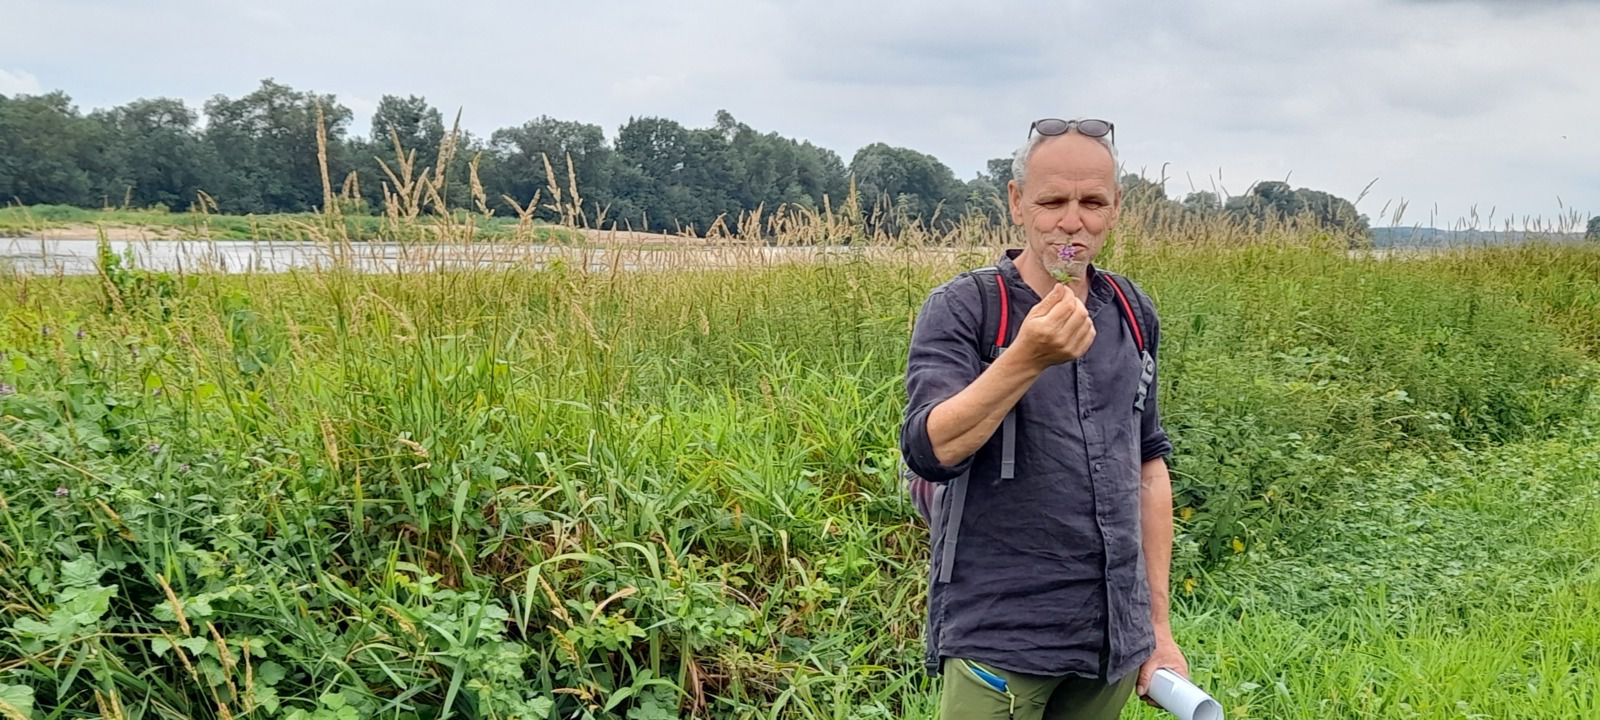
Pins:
x: 1014, y: 197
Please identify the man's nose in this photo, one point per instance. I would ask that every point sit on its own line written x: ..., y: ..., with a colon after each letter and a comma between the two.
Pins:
x: 1071, y: 220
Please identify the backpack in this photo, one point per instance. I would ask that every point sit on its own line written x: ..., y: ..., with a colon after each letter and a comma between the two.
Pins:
x: 941, y: 504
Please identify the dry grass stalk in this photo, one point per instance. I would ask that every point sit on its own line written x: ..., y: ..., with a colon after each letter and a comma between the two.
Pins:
x: 479, y: 198
x: 328, y: 206
x: 177, y: 607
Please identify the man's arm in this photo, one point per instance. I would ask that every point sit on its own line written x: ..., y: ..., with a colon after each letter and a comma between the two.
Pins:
x: 944, y: 425
x: 1155, y: 510
x: 960, y: 425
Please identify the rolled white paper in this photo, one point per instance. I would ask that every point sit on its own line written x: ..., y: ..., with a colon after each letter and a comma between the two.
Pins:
x: 1182, y: 698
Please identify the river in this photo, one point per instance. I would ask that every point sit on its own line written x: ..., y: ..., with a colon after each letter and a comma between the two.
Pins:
x: 77, y: 256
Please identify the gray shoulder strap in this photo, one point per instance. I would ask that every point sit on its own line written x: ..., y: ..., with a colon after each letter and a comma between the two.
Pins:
x: 952, y: 525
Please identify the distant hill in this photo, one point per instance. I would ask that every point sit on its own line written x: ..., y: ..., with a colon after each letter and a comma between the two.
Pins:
x: 1433, y: 237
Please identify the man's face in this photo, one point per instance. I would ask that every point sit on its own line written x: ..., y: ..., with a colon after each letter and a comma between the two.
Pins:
x: 1068, y: 199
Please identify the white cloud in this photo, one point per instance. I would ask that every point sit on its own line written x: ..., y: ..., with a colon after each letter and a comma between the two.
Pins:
x: 18, y: 82
x: 1457, y: 103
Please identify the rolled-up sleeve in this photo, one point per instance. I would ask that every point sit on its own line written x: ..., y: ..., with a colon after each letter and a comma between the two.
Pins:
x: 943, y: 360
x: 1153, y: 441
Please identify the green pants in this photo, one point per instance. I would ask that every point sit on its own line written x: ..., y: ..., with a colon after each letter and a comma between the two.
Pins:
x: 967, y: 696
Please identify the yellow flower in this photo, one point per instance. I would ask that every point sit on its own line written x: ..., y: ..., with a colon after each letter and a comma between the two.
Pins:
x: 1188, y: 586
x: 1238, y: 546
x: 1186, y: 513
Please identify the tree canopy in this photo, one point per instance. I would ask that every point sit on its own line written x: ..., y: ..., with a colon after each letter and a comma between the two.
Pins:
x: 259, y: 154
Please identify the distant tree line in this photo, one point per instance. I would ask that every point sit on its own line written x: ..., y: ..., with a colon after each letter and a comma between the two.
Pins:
x: 259, y: 154
x: 1264, y: 202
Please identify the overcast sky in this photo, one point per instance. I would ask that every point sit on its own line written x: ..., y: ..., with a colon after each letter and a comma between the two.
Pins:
x: 1444, y: 103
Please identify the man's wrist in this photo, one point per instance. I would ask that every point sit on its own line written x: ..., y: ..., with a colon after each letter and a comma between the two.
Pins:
x: 1021, y: 362
x: 1163, y: 629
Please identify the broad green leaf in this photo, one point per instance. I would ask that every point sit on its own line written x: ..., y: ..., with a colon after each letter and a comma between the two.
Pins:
x: 195, y: 645
x: 85, y: 606
x: 82, y: 571
x: 16, y: 702
x: 332, y: 700
x: 30, y: 626
x: 266, y: 697
x: 270, y: 673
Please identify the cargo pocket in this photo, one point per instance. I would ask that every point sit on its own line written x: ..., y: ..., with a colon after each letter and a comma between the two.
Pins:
x: 990, y: 682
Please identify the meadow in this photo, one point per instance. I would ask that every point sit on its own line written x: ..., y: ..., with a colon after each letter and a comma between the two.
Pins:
x: 561, y: 492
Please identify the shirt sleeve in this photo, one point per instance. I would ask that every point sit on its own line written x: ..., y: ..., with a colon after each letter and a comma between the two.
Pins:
x: 1153, y: 441
x: 943, y: 360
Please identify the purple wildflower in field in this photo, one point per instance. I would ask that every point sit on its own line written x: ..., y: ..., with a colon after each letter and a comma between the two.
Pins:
x: 153, y: 448
x: 80, y: 334
x: 183, y: 467
x: 44, y: 331
x: 7, y: 389
x: 62, y: 491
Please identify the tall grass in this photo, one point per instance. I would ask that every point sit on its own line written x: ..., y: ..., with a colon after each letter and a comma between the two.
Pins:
x: 582, y: 491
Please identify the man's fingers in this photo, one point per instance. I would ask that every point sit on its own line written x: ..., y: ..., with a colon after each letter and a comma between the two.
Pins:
x: 1074, y: 323
x: 1067, y: 306
x: 1050, y: 300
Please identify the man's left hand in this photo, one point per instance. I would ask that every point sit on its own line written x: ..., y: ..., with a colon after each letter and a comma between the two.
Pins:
x: 1167, y: 655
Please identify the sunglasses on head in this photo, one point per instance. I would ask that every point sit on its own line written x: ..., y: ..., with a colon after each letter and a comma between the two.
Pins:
x: 1090, y: 128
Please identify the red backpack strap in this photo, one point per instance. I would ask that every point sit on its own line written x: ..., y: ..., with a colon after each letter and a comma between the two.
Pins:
x: 1147, y: 362
x: 1001, y: 335
x: 1127, y: 311
x: 995, y: 297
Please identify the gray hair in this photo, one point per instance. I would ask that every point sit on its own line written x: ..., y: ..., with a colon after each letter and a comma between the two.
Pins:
x: 1019, y: 159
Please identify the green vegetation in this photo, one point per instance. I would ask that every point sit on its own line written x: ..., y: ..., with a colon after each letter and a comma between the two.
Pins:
x: 262, y: 154
x: 550, y: 493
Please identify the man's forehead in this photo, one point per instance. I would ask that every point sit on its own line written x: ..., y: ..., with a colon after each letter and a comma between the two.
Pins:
x: 1072, y: 155
x: 1056, y: 185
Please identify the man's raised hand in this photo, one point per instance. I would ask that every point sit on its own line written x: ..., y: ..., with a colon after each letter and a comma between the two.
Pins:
x: 1057, y: 330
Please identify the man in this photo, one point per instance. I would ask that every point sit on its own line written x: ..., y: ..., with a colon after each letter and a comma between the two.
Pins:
x: 1054, y: 601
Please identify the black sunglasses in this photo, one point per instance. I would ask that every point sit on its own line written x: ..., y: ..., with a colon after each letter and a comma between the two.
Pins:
x: 1090, y: 128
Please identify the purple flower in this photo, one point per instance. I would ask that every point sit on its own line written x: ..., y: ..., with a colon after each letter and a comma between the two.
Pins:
x: 153, y: 448
x: 183, y: 467
x: 7, y: 389
x: 45, y: 331
x: 80, y: 334
x: 62, y: 491
x: 1063, y: 273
